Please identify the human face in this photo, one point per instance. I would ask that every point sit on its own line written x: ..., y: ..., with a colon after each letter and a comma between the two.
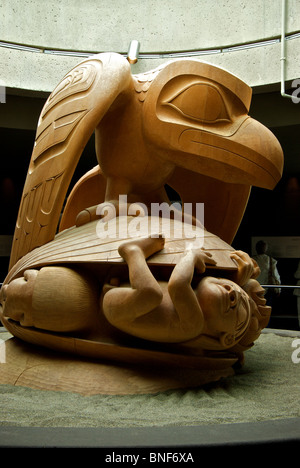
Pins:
x: 16, y: 298
x: 225, y: 306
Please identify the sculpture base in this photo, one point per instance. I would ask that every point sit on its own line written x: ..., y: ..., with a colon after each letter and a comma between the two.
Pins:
x: 22, y: 364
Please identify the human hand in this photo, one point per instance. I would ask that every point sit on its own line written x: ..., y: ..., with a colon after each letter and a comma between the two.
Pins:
x: 247, y: 267
x: 202, y: 258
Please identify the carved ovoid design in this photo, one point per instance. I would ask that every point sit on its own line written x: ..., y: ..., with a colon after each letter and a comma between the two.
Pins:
x: 150, y: 297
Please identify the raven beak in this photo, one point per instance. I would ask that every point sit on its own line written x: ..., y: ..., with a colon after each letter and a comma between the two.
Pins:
x: 251, y: 156
x: 261, y: 154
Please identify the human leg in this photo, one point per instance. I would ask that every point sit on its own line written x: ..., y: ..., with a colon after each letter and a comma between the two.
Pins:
x: 122, y: 305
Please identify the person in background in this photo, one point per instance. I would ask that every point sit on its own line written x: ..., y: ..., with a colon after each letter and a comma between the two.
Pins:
x: 269, y: 274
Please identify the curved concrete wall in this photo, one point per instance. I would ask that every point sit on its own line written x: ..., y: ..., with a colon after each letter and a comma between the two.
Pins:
x: 162, y: 27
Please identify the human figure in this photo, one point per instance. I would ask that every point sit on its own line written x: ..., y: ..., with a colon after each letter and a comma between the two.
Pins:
x: 268, y: 271
x: 219, y: 310
x: 215, y: 313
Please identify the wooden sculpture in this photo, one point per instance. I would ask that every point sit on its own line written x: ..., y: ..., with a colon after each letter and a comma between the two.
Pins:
x: 83, y: 293
x: 142, y: 295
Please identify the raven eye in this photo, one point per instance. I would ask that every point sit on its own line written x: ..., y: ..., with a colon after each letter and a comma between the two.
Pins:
x: 200, y: 102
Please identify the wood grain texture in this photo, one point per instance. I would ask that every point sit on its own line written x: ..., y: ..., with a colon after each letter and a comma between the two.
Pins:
x: 185, y: 125
x: 84, y: 244
x: 67, y: 121
x: 29, y: 366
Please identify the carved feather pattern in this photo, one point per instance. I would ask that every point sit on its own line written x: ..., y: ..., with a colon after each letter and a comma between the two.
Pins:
x: 143, y: 81
x: 85, y: 244
x: 66, y: 123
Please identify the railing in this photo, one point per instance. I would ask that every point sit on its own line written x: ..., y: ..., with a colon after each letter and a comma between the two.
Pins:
x: 293, y: 286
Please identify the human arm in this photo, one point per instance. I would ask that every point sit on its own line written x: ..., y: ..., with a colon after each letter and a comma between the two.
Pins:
x: 143, y: 312
x: 181, y: 292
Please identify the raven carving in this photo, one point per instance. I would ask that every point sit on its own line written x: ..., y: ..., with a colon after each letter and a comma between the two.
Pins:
x: 184, y: 124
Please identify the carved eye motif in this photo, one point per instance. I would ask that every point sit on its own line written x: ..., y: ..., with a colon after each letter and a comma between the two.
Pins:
x: 200, y: 102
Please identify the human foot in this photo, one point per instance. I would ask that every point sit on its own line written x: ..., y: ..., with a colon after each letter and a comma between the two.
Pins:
x: 147, y: 246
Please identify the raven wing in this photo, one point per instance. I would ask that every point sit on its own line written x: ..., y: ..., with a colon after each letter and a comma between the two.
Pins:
x: 67, y: 121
